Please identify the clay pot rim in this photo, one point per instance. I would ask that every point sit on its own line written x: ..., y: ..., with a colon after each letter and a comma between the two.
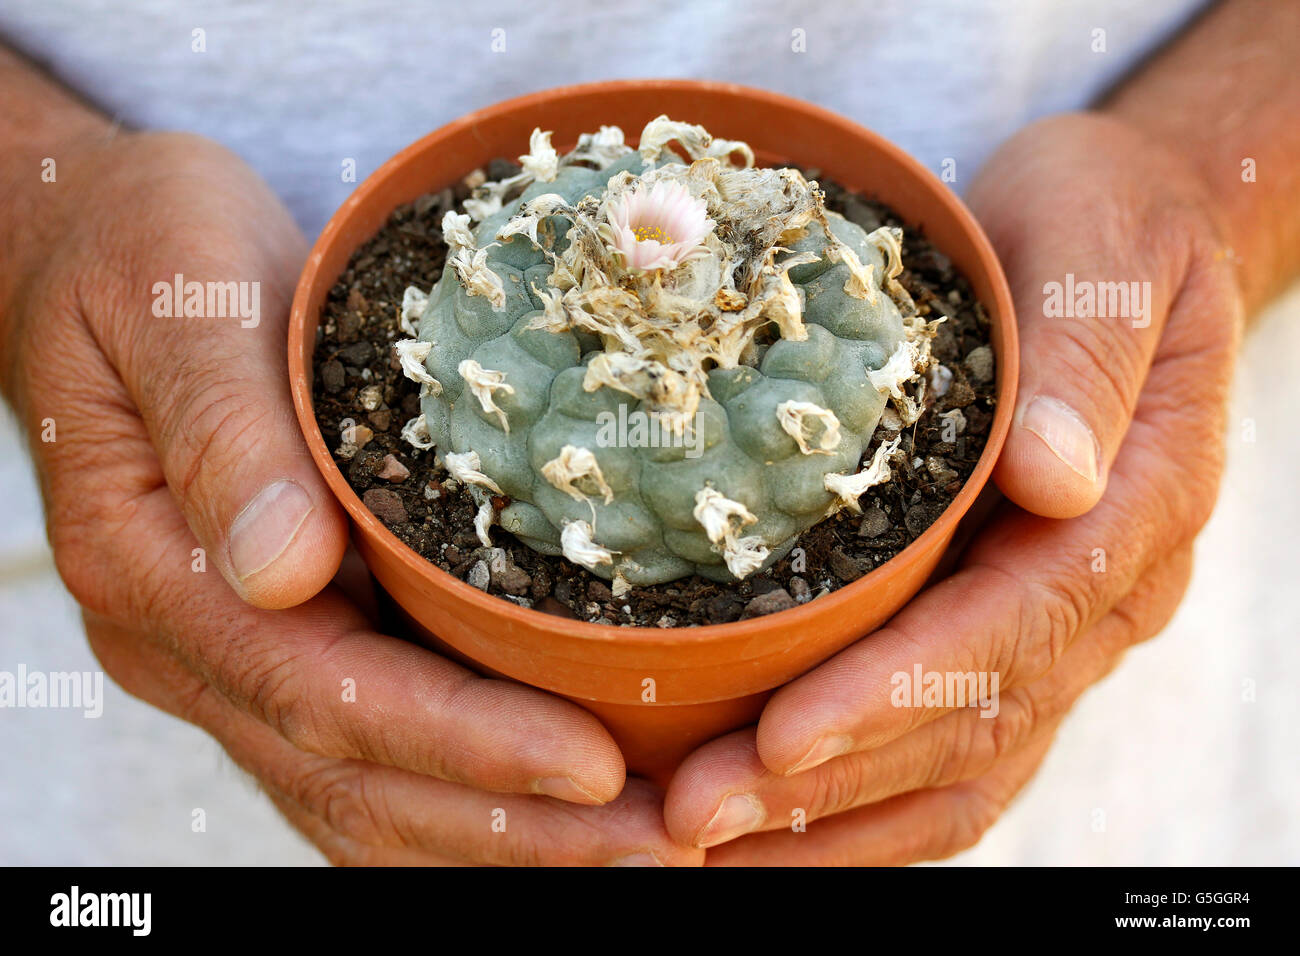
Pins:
x: 806, y: 614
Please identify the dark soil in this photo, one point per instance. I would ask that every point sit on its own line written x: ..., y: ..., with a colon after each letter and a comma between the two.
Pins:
x: 358, y: 377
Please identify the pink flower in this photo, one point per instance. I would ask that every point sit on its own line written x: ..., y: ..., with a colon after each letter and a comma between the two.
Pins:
x: 659, y: 227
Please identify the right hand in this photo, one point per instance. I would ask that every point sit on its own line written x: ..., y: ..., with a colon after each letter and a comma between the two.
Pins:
x: 166, y: 432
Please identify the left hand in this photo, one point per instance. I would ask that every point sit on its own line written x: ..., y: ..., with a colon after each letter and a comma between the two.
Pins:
x: 1116, y: 445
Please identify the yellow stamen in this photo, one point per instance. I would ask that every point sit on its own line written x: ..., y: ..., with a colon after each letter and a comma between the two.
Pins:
x: 656, y: 233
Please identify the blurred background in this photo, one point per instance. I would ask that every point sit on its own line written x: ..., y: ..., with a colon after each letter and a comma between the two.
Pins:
x: 1186, y: 754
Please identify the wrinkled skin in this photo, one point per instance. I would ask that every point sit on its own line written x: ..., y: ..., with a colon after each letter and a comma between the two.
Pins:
x: 896, y: 785
x: 163, y: 438
x: 165, y: 429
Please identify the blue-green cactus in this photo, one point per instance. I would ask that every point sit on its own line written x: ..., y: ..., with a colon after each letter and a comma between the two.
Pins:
x: 661, y: 396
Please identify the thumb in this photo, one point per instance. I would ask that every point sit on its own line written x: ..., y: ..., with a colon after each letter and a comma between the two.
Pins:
x: 1093, y: 270
x: 213, y: 387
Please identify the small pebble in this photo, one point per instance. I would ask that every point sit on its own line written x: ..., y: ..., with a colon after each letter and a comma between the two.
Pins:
x: 874, y: 523
x: 939, y: 380
x: 512, y: 579
x: 548, y: 605
x: 332, y: 376
x: 980, y: 364
x: 479, y: 576
x: 370, y: 397
x: 358, y: 354
x: 939, y: 469
x: 599, y: 591
x: 959, y: 395
x: 799, y: 590
x: 844, y: 567
x: 392, y: 470
x: 957, y: 419
x: 361, y: 436
x: 769, y: 603
x: 386, y: 505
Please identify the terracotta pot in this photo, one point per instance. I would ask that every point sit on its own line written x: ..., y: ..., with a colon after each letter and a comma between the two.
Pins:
x: 706, y: 680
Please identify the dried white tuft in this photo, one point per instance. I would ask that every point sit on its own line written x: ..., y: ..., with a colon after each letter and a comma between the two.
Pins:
x: 715, y: 512
x: 794, y: 416
x: 477, y: 278
x: 484, y: 519
x: 745, y: 555
x: 571, y: 466
x: 465, y: 467
x: 413, y: 304
x: 848, y: 488
x: 578, y: 546
x: 416, y: 433
x: 482, y: 382
x: 412, y: 353
x: 541, y: 161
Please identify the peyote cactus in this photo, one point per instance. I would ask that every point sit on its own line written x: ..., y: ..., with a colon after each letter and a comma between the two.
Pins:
x: 665, y: 367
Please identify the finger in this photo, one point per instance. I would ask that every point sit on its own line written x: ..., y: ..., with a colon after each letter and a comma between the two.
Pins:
x: 1093, y: 273
x: 364, y: 813
x: 1029, y: 585
x: 724, y: 790
x: 924, y: 825
x: 213, y: 387
x: 322, y: 679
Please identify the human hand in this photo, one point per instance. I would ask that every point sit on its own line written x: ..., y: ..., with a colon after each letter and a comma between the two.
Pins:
x: 167, y: 435
x: 1111, y: 468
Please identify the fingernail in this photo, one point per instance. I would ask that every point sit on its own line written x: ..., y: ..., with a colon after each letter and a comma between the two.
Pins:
x: 565, y: 788
x: 826, y: 748
x: 1065, y: 433
x: 267, y: 526
x: 638, y: 859
x: 739, y: 814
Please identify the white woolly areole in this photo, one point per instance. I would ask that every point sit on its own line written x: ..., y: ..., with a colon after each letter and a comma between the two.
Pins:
x: 416, y: 433
x: 541, y: 161
x: 722, y: 520
x: 696, y: 140
x: 848, y: 488
x: 477, y: 277
x: 465, y: 468
x: 715, y: 513
x: 484, y: 518
x: 897, y: 372
x: 793, y: 417
x: 482, y: 382
x: 456, y: 232
x: 413, y: 305
x: 412, y: 353
x: 571, y: 466
x: 601, y: 149
x: 578, y: 546
x: 745, y: 555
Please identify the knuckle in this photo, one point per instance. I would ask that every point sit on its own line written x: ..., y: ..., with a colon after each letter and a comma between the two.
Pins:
x: 337, y: 793
x: 966, y: 745
x: 268, y: 682
x: 1053, y: 612
x: 838, y: 786
x: 214, y: 421
x: 1102, y: 349
x: 971, y: 818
